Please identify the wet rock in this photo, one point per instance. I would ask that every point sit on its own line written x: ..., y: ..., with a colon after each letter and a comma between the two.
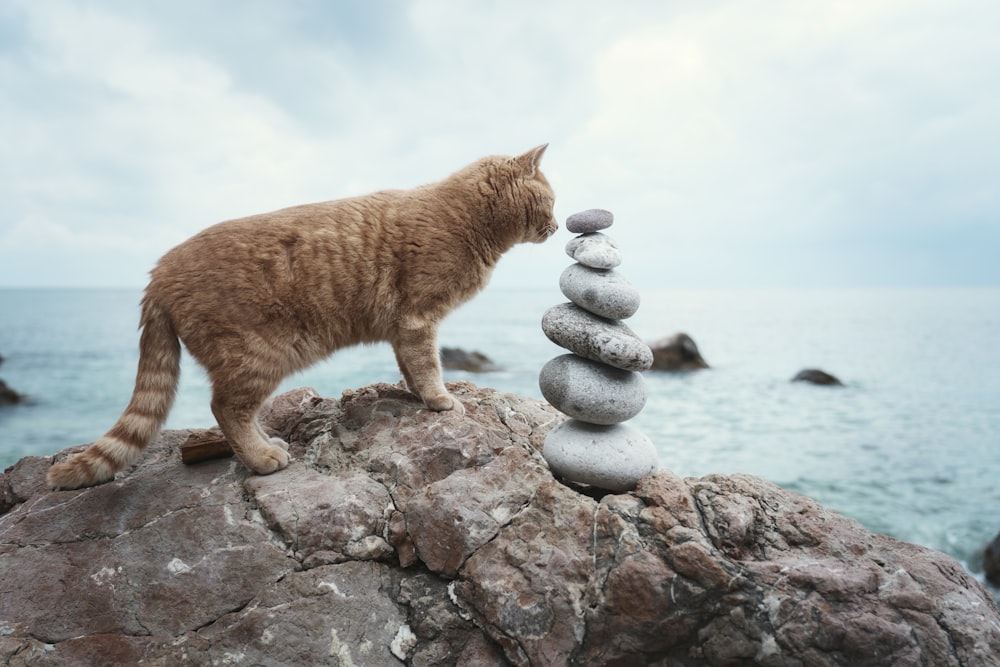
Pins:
x: 593, y: 337
x: 602, y: 292
x: 492, y: 561
x: 676, y: 353
x: 816, y: 376
x: 457, y: 359
x: 591, y: 391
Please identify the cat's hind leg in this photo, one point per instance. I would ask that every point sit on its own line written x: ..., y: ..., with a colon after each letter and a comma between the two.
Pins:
x: 417, y: 355
x: 235, y: 405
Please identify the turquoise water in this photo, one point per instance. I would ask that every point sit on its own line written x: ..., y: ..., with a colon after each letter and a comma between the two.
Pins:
x: 910, y: 447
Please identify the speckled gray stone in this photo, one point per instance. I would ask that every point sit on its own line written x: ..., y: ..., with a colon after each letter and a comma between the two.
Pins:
x: 614, y: 457
x: 594, y: 250
x: 591, y: 220
x: 591, y: 391
x: 596, y: 338
x: 602, y: 292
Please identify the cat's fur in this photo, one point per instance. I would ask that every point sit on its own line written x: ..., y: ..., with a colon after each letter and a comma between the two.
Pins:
x: 258, y: 298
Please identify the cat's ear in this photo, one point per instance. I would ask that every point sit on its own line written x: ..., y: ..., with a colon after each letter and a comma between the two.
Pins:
x: 529, y: 161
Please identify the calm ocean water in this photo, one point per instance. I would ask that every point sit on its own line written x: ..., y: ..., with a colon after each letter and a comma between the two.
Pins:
x: 910, y: 447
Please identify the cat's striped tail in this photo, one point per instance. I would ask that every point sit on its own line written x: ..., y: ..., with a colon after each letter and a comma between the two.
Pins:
x: 155, y: 386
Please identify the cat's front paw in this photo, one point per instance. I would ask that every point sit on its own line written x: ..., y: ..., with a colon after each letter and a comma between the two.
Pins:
x: 445, y: 402
x: 270, y: 458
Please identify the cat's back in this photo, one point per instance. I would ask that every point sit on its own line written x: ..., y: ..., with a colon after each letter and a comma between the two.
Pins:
x: 343, y: 227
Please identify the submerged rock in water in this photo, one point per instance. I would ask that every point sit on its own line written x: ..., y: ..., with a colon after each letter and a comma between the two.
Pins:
x: 816, y: 376
x: 676, y: 353
x: 400, y: 535
x: 991, y: 561
x: 8, y: 396
x: 457, y: 359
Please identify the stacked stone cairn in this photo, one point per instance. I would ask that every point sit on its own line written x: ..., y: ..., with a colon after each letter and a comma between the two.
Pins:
x: 599, y: 385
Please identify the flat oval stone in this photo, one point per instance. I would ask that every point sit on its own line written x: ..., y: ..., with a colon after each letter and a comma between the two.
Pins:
x: 594, y: 250
x: 602, y: 292
x: 596, y: 338
x: 613, y: 457
x: 591, y: 391
x: 591, y: 220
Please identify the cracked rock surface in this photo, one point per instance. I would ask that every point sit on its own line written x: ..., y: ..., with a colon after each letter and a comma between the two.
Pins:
x: 403, y: 536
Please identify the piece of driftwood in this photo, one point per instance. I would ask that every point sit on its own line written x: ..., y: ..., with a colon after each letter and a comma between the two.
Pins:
x: 205, y: 446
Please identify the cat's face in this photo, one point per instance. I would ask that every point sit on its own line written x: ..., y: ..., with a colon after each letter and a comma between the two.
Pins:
x: 541, y: 223
x: 538, y: 198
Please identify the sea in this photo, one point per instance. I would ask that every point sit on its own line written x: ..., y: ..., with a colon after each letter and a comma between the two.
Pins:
x: 910, y: 446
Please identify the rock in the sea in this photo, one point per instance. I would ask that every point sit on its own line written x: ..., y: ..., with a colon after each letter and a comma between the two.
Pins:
x: 8, y: 396
x: 611, y: 457
x: 591, y: 220
x: 457, y: 359
x: 592, y: 391
x: 677, y: 353
x: 816, y: 376
x: 594, y: 250
x: 602, y: 292
x: 991, y: 561
x: 596, y: 338
x: 399, y: 535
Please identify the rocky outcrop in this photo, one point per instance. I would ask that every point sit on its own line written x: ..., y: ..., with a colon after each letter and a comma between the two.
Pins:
x: 457, y: 359
x: 991, y: 561
x: 404, y: 536
x: 816, y: 376
x: 7, y: 395
x: 677, y: 353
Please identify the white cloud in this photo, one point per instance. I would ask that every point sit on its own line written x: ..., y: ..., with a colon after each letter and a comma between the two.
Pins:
x: 712, y: 129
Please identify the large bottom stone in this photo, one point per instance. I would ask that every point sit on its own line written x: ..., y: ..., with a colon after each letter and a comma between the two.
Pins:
x: 591, y: 391
x: 613, y: 458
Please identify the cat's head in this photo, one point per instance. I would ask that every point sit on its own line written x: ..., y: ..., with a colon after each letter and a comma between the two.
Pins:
x: 535, y: 196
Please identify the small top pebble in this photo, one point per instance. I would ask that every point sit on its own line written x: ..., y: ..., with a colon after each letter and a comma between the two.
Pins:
x: 591, y: 220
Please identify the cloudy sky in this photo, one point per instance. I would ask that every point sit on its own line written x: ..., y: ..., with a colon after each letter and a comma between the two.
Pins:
x: 760, y: 143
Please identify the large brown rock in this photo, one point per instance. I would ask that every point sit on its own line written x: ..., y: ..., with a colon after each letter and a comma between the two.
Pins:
x: 457, y: 359
x: 8, y: 396
x: 404, y: 536
x: 676, y: 353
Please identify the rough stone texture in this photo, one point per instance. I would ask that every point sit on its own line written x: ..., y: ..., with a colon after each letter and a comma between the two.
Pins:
x: 457, y: 359
x: 591, y: 391
x: 596, y: 338
x: 613, y: 458
x: 602, y: 292
x: 676, y: 353
x: 816, y: 376
x: 594, y: 250
x: 591, y: 220
x: 492, y: 561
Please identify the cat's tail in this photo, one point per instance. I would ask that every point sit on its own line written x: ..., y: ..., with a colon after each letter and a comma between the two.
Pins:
x: 152, y: 398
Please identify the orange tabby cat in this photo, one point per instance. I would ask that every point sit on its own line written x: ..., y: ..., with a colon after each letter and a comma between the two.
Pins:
x: 258, y: 298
